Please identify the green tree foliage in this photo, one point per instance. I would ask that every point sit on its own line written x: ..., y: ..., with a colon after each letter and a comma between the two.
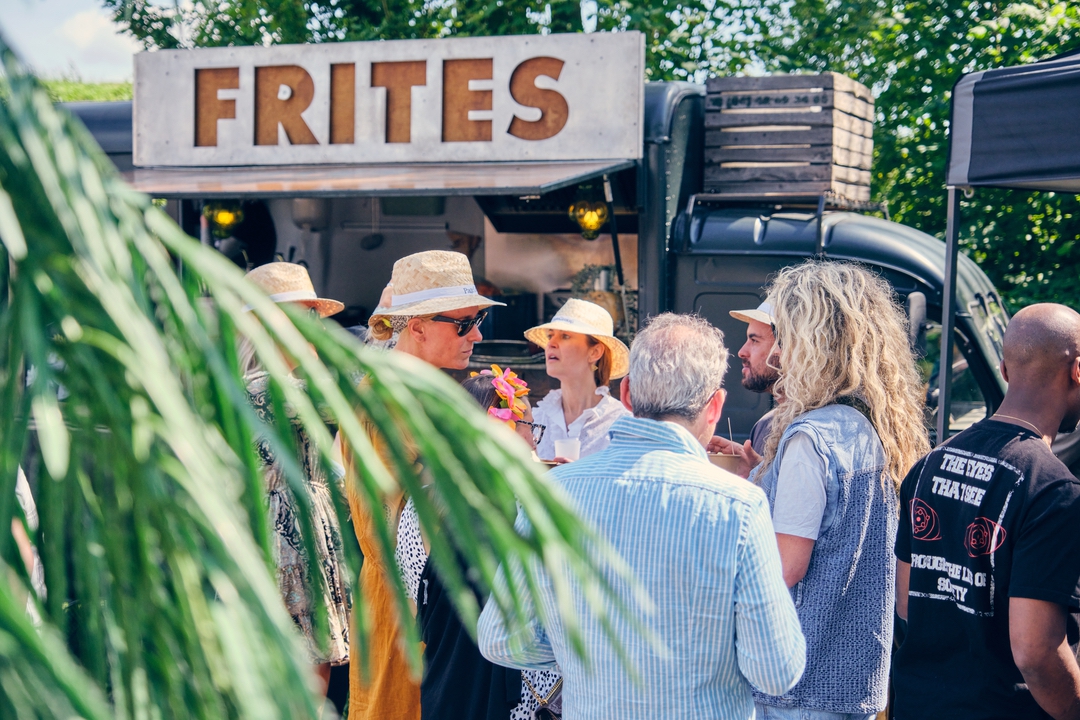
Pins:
x: 912, y: 53
x: 683, y: 39
x: 153, y: 528
x: 79, y: 91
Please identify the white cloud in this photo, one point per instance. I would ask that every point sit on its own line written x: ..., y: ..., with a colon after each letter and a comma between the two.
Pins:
x: 98, y: 41
x: 68, y: 38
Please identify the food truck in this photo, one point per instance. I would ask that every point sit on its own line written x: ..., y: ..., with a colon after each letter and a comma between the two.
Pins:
x: 551, y: 164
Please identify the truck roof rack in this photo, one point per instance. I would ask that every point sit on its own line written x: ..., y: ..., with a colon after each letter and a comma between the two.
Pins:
x: 819, y: 202
x: 811, y: 201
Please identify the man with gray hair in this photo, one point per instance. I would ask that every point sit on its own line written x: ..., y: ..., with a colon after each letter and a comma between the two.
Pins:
x: 697, y: 538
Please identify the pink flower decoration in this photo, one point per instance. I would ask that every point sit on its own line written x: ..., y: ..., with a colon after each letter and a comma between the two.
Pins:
x: 502, y: 413
x: 509, y: 387
x: 505, y: 389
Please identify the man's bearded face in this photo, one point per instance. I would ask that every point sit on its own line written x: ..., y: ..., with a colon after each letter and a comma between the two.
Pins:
x: 760, y: 382
x: 757, y: 375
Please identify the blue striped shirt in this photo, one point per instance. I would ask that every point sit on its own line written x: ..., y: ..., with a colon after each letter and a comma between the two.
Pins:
x: 700, y: 541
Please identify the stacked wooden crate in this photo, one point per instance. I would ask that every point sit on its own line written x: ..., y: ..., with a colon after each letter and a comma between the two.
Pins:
x: 789, y: 135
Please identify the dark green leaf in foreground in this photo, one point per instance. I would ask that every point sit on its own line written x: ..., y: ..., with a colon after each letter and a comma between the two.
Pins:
x: 161, y: 600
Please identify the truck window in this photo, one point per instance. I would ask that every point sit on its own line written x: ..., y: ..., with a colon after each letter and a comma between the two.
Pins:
x: 990, y: 318
x: 968, y: 404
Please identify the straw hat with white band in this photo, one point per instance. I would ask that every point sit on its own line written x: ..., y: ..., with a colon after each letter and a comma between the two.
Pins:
x: 289, y: 283
x: 431, y: 282
x: 763, y: 313
x: 582, y: 316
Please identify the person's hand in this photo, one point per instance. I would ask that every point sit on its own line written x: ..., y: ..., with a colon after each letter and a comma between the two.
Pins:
x: 747, y: 457
x: 723, y: 445
x: 560, y: 460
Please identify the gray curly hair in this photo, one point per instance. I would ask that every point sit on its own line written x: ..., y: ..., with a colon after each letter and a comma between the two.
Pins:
x: 677, y: 363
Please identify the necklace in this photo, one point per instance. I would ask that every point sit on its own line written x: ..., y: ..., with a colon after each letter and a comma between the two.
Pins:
x: 1030, y: 425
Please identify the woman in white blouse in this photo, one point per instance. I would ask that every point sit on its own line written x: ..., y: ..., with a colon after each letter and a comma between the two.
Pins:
x: 583, y: 354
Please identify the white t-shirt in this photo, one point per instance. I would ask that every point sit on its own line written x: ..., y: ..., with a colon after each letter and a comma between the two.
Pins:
x: 801, y: 489
x: 591, y: 428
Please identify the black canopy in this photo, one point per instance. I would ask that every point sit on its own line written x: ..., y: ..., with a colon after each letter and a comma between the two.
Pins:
x: 1016, y: 127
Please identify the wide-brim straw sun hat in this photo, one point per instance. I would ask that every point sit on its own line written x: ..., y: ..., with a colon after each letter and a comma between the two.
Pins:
x: 763, y: 313
x: 431, y: 282
x: 290, y: 283
x: 582, y: 316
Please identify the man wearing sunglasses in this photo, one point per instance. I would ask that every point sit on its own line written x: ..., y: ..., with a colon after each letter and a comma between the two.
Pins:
x: 434, y: 309
x: 445, y: 340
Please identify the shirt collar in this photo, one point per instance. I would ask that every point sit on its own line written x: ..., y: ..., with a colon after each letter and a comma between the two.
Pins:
x: 553, y: 400
x: 666, y: 435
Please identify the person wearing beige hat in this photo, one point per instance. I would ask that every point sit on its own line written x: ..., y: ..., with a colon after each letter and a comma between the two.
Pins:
x: 285, y: 282
x: 583, y: 354
x: 289, y: 283
x: 434, y: 310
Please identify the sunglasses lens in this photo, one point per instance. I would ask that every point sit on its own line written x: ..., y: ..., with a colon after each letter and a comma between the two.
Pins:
x: 466, y: 326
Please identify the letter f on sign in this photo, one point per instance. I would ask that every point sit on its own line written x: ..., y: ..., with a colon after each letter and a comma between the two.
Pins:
x: 208, y: 107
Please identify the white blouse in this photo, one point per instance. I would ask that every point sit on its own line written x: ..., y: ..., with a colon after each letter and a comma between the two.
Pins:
x: 591, y: 428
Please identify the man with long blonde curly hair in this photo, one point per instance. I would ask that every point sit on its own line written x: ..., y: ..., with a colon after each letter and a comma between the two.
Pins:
x: 850, y: 427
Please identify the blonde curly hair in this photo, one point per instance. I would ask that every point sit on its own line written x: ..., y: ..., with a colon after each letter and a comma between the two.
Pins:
x: 840, y: 332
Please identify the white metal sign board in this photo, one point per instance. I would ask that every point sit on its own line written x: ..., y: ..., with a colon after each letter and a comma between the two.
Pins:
x: 485, y: 99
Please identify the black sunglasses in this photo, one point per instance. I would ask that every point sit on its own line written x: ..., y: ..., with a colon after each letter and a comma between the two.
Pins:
x: 464, y: 325
x: 537, y: 430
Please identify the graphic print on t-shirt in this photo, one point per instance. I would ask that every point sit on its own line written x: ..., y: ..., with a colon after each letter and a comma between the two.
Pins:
x: 956, y: 528
x: 924, y: 521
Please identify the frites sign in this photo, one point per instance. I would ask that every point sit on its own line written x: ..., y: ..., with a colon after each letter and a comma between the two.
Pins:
x: 555, y: 97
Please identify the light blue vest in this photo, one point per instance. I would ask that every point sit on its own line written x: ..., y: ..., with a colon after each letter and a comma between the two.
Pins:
x: 845, y: 601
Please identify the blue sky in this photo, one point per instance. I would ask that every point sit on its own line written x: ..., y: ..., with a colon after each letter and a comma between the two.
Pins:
x: 68, y: 38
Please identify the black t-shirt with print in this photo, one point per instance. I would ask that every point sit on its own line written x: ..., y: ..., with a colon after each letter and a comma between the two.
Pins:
x: 989, y: 516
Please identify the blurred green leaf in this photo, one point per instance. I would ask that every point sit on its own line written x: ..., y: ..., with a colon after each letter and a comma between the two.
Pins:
x: 120, y: 375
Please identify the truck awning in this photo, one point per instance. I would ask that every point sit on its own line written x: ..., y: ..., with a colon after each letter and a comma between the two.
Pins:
x: 526, y: 178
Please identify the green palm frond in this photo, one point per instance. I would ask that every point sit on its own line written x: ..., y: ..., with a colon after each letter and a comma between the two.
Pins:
x: 120, y: 392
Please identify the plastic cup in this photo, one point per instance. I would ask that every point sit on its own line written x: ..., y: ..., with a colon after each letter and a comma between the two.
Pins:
x: 569, y: 448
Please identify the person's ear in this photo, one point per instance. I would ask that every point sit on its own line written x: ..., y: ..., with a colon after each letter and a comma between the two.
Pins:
x: 596, y: 352
x: 416, y: 329
x: 624, y: 393
x: 1074, y: 370
x: 715, y: 408
x: 1004, y: 371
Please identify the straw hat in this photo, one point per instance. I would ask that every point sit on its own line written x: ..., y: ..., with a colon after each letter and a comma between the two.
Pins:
x: 582, y: 316
x: 431, y: 282
x: 288, y: 282
x: 763, y: 313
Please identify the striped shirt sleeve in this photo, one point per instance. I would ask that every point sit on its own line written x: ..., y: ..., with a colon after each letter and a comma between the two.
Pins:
x: 529, y: 647
x: 769, y: 641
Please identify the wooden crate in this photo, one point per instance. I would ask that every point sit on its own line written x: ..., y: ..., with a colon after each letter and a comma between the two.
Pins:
x: 789, y: 134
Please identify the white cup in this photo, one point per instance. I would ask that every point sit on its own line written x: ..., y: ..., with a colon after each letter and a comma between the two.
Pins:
x: 569, y: 448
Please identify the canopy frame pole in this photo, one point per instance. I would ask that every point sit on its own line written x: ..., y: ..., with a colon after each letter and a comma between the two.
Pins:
x: 609, y: 197
x: 948, y: 315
